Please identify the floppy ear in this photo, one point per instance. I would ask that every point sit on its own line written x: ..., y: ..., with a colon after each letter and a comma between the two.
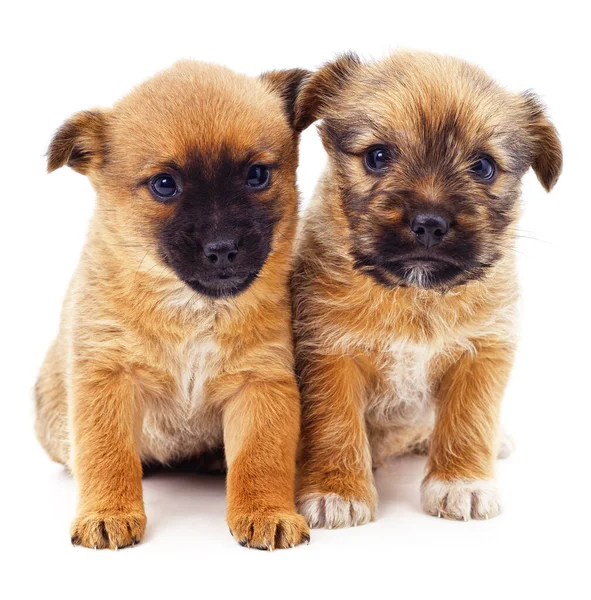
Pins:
x: 321, y: 88
x: 287, y: 84
x: 546, y: 147
x: 79, y: 142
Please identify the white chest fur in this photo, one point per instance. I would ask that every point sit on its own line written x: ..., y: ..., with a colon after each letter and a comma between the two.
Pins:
x: 404, y: 394
x: 195, y: 366
x: 184, y: 424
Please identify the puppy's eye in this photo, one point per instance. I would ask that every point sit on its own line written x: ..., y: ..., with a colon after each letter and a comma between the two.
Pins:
x: 164, y: 187
x: 258, y: 176
x: 377, y: 158
x: 484, y: 168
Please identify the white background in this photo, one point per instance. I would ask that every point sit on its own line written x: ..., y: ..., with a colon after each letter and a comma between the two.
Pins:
x: 58, y: 59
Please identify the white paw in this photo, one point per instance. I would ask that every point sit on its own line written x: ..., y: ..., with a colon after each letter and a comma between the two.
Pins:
x: 332, y: 511
x: 506, y: 446
x: 460, y: 499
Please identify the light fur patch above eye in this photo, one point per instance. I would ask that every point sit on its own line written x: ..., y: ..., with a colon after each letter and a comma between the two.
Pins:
x: 151, y: 167
x: 352, y: 138
x: 363, y: 143
x: 504, y: 149
x: 263, y: 157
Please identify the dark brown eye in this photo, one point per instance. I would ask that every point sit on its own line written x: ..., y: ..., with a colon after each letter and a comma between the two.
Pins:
x: 377, y: 158
x: 164, y: 187
x: 258, y: 176
x: 484, y: 168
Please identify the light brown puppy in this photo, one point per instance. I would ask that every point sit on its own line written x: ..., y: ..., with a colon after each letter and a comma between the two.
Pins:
x: 405, y: 284
x: 176, y: 331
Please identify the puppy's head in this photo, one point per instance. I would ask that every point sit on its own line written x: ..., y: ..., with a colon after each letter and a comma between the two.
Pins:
x: 194, y: 171
x: 428, y: 154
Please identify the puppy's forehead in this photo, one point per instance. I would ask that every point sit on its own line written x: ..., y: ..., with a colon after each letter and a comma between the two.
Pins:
x: 408, y: 94
x: 197, y: 108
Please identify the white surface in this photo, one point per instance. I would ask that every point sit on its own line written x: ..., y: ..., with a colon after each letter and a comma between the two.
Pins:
x: 57, y: 60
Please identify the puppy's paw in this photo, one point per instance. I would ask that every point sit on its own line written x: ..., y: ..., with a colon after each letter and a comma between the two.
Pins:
x: 332, y: 510
x: 268, y: 529
x: 108, y: 530
x: 460, y: 499
x: 506, y: 446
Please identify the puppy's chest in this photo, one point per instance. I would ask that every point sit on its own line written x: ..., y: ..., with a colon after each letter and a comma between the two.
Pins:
x: 184, y: 422
x: 403, y: 392
x: 196, y: 364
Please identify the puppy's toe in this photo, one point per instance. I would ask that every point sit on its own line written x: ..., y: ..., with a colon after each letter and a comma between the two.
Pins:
x: 100, y: 529
x: 332, y: 510
x: 460, y: 499
x: 268, y: 529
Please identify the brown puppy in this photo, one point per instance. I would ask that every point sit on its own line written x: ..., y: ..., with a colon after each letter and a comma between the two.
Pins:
x: 405, y: 284
x: 176, y: 331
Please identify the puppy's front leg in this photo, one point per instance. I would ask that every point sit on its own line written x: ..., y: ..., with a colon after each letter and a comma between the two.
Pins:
x: 105, y: 461
x: 336, y: 487
x: 460, y: 479
x: 261, y: 429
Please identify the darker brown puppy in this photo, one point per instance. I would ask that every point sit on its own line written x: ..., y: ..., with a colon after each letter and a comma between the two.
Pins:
x: 405, y: 285
x: 176, y: 331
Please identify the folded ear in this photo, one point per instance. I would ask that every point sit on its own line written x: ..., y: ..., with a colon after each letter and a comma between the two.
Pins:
x: 546, y: 147
x: 79, y: 142
x: 287, y: 84
x: 321, y: 88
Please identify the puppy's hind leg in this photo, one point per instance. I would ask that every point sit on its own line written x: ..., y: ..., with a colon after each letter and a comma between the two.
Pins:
x: 51, y: 411
x: 506, y: 445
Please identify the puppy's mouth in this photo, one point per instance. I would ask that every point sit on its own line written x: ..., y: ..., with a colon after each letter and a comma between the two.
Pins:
x: 423, y: 271
x: 426, y: 272
x: 224, y: 285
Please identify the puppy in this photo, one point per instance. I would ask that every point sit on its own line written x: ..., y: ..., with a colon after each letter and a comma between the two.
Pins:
x: 405, y: 282
x: 176, y: 336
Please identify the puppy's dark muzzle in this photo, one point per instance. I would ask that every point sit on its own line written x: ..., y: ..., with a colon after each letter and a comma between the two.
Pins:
x: 217, y: 263
x: 224, y: 267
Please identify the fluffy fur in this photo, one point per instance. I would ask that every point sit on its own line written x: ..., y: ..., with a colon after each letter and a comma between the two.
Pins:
x: 401, y: 346
x: 147, y: 369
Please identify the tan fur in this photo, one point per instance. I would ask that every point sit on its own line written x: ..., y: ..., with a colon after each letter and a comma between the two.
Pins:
x: 146, y: 370
x: 387, y: 369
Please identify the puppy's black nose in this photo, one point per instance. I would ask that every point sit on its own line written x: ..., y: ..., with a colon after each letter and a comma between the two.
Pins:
x: 221, y: 253
x: 429, y: 229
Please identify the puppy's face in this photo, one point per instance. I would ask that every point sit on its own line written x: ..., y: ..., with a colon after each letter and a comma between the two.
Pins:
x: 195, y: 172
x: 428, y: 153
